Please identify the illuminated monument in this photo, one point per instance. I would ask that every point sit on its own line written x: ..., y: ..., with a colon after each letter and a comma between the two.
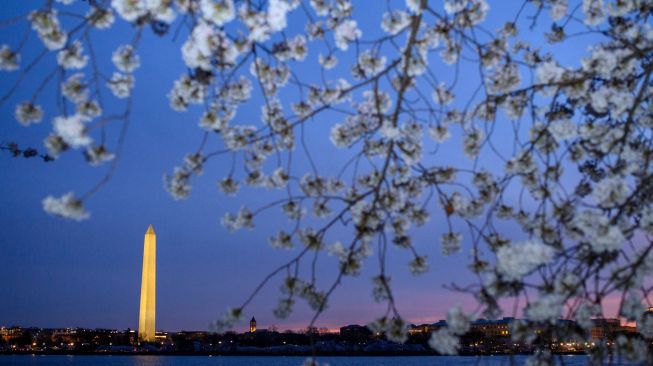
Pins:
x: 146, y: 330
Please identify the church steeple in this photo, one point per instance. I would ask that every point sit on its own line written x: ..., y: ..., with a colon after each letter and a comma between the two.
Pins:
x: 252, y: 325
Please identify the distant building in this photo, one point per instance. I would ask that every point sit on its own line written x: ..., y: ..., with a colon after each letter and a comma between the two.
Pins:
x: 419, y: 329
x: 252, y: 325
x: 426, y: 328
x: 493, y: 328
x: 488, y: 328
x: 161, y: 336
x: 355, y: 333
x: 9, y: 334
x: 604, y: 329
x: 627, y: 329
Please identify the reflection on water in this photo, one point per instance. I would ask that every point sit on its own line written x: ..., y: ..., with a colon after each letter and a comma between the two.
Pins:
x: 271, y: 361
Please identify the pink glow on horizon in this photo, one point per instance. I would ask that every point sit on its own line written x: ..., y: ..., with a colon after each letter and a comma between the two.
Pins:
x: 417, y: 312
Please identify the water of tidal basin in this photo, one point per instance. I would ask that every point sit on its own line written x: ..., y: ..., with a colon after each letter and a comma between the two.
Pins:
x: 29, y: 360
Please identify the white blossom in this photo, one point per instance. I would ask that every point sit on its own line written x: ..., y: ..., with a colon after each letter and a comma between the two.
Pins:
x: 414, y: 6
x: 504, y: 79
x: 196, y: 51
x: 328, y: 62
x: 646, y: 219
x: 645, y: 326
x: 321, y: 7
x: 88, y: 109
x: 161, y: 10
x: 229, y: 186
x: 439, y: 133
x: 276, y: 16
x: 633, y: 349
x: 219, y: 12
x: 28, y: 113
x: 72, y: 57
x: 66, y: 206
x: 444, y: 342
x: 369, y: 64
x: 347, y: 32
x: 563, y: 130
x: 442, y: 95
x: 121, y: 85
x: 279, y: 178
x: 596, y: 229
x: 621, y: 7
x: 9, y: 60
x: 585, y: 313
x: 75, y: 88
x: 284, y: 308
x: 419, y: 265
x: 100, y: 18
x: 472, y: 143
x: 46, y: 24
x: 611, y: 191
x: 395, y: 21
x: 547, y: 308
x: 519, y: 259
x: 458, y: 322
x: 558, y: 9
x: 190, y: 91
x: 55, y: 144
x: 97, y: 155
x: 450, y: 243
x: 454, y: 6
x: 126, y: 59
x: 594, y: 12
x: 396, y: 330
x: 228, y: 320
x: 549, y: 72
x: 72, y: 131
x: 243, y: 219
x: 281, y: 240
x: 130, y: 10
x: 178, y: 184
x: 632, y: 307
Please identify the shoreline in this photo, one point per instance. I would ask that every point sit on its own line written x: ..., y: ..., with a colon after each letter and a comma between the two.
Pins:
x: 268, y: 354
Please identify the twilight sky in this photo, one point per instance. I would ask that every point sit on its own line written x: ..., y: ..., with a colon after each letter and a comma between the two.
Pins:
x: 58, y: 273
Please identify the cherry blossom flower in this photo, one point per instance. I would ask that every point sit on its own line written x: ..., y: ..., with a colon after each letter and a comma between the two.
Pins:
x: 519, y: 259
x: 67, y: 206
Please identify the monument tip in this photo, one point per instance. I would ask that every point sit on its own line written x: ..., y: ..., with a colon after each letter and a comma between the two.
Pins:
x: 150, y: 230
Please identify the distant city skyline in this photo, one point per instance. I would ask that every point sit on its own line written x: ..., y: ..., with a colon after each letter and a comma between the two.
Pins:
x: 253, y: 325
x: 482, y: 337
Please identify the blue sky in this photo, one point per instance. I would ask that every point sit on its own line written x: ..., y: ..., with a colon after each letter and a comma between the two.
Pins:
x: 60, y: 273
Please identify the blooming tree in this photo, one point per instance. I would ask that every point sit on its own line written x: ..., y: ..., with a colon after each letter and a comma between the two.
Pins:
x: 560, y: 153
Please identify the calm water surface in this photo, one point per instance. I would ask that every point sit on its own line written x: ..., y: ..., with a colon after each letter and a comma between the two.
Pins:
x: 22, y: 360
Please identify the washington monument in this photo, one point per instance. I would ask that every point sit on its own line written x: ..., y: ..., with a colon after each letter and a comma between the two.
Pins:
x: 146, y: 329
